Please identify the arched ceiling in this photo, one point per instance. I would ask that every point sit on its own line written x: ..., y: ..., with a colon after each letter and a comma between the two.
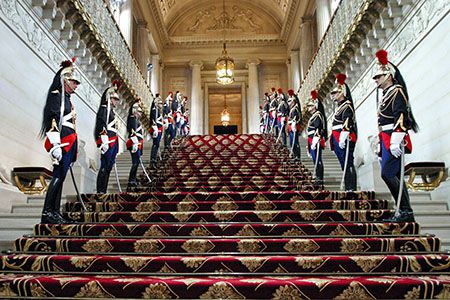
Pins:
x: 172, y: 9
x: 203, y: 23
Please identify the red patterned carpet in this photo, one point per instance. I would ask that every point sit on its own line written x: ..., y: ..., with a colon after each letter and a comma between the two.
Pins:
x: 228, y: 217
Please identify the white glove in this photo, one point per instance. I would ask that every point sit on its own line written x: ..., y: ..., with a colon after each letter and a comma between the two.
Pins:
x: 182, y: 121
x: 314, y: 142
x: 56, y: 152
x: 135, y: 148
x: 294, y: 127
x: 343, y: 139
x: 307, y: 152
x: 396, y: 139
x: 155, y: 131
x: 282, y: 121
x: 165, y: 124
x: 104, y: 148
x: 177, y: 118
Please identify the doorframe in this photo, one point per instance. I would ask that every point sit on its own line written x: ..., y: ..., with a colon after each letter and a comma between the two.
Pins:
x: 238, y: 84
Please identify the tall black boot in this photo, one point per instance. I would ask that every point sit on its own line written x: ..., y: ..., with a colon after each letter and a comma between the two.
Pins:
x: 405, y: 211
x: 108, y: 173
x: 319, y: 173
x: 57, y: 210
x: 132, y: 183
x: 297, y: 151
x: 350, y: 179
x: 48, y: 211
x: 101, y: 177
x: 153, y: 155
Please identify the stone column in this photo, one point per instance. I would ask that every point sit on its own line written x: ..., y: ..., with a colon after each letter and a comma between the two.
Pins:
x: 288, y: 65
x: 206, y: 110
x: 196, y: 98
x: 142, y: 52
x: 253, y: 96
x: 306, y: 46
x: 160, y: 77
x: 154, y: 83
x: 295, y: 70
x: 244, y: 107
x: 126, y: 22
x: 323, y: 15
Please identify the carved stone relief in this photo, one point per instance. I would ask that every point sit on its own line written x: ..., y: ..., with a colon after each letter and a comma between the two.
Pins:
x: 213, y: 20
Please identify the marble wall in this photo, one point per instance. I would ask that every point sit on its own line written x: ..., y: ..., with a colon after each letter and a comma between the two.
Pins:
x: 420, y: 48
x: 25, y: 75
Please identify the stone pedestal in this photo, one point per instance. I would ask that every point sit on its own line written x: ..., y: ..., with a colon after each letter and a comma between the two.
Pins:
x: 10, y: 195
x: 369, y: 178
x: 86, y: 180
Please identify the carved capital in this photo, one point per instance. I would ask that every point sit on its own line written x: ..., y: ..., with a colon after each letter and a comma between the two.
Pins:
x: 196, y: 64
x: 253, y: 61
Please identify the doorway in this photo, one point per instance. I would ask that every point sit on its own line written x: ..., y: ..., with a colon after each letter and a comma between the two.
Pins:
x: 216, y: 104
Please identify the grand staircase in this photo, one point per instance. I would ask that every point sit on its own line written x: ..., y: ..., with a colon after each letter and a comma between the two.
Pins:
x: 228, y: 217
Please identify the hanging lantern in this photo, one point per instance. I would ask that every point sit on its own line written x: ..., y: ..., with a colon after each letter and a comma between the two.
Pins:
x: 225, y: 117
x: 224, y: 68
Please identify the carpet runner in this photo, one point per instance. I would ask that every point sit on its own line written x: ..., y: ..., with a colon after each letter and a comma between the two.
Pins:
x: 228, y: 217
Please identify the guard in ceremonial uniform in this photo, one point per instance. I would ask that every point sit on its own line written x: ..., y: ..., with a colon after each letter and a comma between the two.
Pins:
x: 282, y: 116
x: 295, y: 118
x: 265, y: 113
x: 135, y: 142
x: 177, y: 113
x: 344, y: 130
x: 106, y: 135
x: 156, y: 127
x: 273, y: 113
x: 395, y: 119
x: 58, y: 125
x: 183, y: 121
x: 317, y: 134
x: 186, y: 128
x: 169, y: 122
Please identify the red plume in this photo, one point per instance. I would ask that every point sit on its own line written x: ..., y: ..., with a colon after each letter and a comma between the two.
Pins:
x: 73, y: 59
x: 314, y: 94
x: 117, y: 84
x: 290, y: 92
x: 66, y: 63
x: 279, y: 91
x: 273, y: 89
x: 382, y: 56
x: 340, y: 78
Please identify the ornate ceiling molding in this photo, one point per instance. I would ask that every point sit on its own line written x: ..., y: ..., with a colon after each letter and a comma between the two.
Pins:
x: 289, y: 19
x: 201, y: 23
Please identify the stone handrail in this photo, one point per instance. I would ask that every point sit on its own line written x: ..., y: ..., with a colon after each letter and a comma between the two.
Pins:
x: 98, y: 17
x: 342, y: 27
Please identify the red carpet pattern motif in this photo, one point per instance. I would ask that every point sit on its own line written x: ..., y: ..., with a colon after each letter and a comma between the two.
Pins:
x: 228, y: 217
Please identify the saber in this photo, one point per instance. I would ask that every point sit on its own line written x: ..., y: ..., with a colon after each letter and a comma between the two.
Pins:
x: 402, y: 176
x: 145, y: 171
x: 76, y: 190
x: 345, y: 164
x: 279, y: 134
x: 117, y: 177
x: 266, y: 124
